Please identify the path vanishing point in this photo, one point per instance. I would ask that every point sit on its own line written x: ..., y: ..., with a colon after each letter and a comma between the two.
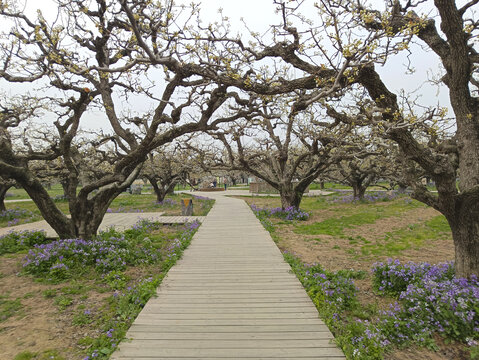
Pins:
x: 231, y: 296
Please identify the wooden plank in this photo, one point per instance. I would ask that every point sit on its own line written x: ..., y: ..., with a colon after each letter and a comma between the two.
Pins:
x: 226, y: 328
x: 232, y: 304
x: 214, y: 315
x: 232, y: 298
x: 230, y: 352
x: 301, y: 335
x: 275, y: 290
x: 238, y: 310
x: 215, y: 343
x: 233, y: 279
x: 226, y: 358
x: 149, y: 320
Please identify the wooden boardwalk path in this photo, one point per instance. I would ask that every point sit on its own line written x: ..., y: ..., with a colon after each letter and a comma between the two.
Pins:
x: 231, y: 296
x: 119, y: 221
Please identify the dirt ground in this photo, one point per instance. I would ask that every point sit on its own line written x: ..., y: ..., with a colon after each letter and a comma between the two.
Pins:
x: 38, y: 325
x: 335, y: 253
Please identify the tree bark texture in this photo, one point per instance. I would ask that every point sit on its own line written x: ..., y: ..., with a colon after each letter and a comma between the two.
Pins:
x: 358, y: 191
x: 464, y: 222
x: 3, y: 193
x: 290, y: 198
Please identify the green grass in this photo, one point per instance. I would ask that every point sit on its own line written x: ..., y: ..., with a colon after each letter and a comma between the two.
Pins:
x: 9, y: 308
x: 352, y: 215
x: 56, y: 190
x: 24, y: 355
x: 411, y: 237
x: 75, y: 288
x: 63, y: 302
x: 49, y: 293
x: 147, y: 203
x: 336, y: 226
x: 126, y: 203
x: 45, y: 355
x: 315, y: 203
x: 328, y: 185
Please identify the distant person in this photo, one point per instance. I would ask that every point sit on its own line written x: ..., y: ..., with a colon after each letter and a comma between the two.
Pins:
x: 214, y: 183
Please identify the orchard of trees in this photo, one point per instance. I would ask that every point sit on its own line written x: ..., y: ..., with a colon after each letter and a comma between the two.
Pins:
x: 303, y: 100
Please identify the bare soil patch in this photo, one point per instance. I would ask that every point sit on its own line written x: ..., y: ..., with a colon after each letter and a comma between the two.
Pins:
x: 39, y: 325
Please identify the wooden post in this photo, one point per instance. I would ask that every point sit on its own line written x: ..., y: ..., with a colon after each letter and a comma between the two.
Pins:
x: 187, y: 207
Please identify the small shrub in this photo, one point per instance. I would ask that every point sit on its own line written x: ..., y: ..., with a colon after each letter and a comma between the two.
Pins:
x: 25, y: 355
x: 109, y: 251
x: 116, y: 280
x: 63, y: 301
x: 60, y: 198
x: 13, y: 217
x: 370, y: 197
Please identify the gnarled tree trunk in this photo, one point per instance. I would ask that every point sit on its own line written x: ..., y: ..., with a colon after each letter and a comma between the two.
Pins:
x: 358, y: 190
x: 464, y: 223
x: 290, y: 198
x: 3, y: 192
x: 292, y: 194
x: 62, y: 225
x: 162, y: 188
x: 88, y: 216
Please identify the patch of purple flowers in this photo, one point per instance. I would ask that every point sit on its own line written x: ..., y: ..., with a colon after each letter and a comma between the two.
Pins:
x: 166, y: 203
x: 431, y: 300
x: 107, y: 252
x: 392, y: 277
x: 13, y: 216
x: 58, y: 257
x: 370, y: 197
x: 204, y: 198
x: 13, y: 222
x: 290, y: 213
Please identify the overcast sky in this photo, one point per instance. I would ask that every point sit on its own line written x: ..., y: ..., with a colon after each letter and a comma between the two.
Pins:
x: 260, y: 15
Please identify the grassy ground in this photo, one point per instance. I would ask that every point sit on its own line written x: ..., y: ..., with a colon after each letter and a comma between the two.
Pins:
x: 328, y: 185
x: 16, y: 194
x: 25, y: 212
x: 352, y: 237
x: 332, y: 186
x: 170, y: 206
